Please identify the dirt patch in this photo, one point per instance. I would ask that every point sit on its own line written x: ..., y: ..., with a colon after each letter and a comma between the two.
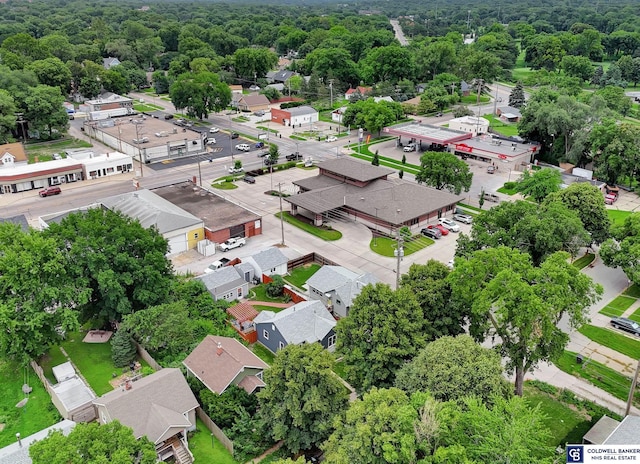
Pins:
x: 97, y: 336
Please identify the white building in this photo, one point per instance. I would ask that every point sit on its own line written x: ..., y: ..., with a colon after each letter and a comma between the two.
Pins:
x: 106, y: 106
x: 470, y: 124
x: 101, y: 165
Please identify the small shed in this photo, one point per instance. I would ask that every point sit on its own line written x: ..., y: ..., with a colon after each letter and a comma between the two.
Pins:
x: 64, y: 371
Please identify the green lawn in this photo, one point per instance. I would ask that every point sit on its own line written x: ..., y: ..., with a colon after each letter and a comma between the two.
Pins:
x: 260, y: 294
x: 37, y: 414
x: 584, y: 261
x: 635, y: 316
x: 267, y: 308
x: 324, y: 233
x: 386, y: 246
x: 53, y: 358
x: 338, y: 368
x: 472, y: 99
x: 507, y: 191
x: 614, y: 340
x: 299, y: 276
x: 224, y: 185
x: 44, y: 150
x: 598, y: 374
x: 504, y: 128
x: 263, y: 353
x: 633, y: 291
x: 206, y: 448
x: 566, y: 424
x: 146, y: 107
x: 618, y: 306
x: 521, y: 74
x: 617, y: 216
x: 469, y: 207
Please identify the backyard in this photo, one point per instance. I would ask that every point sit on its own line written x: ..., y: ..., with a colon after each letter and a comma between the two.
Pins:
x: 38, y: 413
x: 44, y: 151
x: 206, y: 448
x: 299, y: 276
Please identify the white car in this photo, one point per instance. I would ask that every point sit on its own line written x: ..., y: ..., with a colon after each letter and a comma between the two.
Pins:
x: 243, y: 147
x: 449, y: 225
x: 211, y: 141
x: 332, y: 138
x: 233, y: 170
x: 213, y: 130
x: 410, y: 147
x: 463, y: 218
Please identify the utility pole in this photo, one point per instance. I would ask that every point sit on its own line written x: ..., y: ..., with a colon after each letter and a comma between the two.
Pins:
x: 331, y: 90
x: 495, y: 100
x: 634, y: 382
x: 399, y: 258
x: 135, y: 123
x: 281, y: 213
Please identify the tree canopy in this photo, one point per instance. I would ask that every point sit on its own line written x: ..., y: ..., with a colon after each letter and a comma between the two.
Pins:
x: 539, y: 184
x: 519, y: 305
x: 443, y: 170
x: 622, y: 250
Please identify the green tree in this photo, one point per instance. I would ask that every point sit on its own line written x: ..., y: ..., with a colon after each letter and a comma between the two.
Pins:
x: 124, y: 264
x: 251, y: 63
x: 7, y: 115
x: 508, y: 431
x: 371, y: 115
x: 377, y: 429
x: 52, y: 72
x: 586, y: 201
x: 444, y: 171
x: 516, y: 97
x: 93, y: 444
x: 38, y: 294
x: 613, y: 144
x: 160, y: 82
x: 615, y: 99
x: 123, y: 350
x: 224, y: 409
x: 299, y: 405
x: 539, y: 184
x: 577, y: 66
x: 544, y: 51
x: 374, y: 343
x: 435, y: 58
x: 520, y: 305
x: 391, y: 63
x: 275, y: 288
x: 623, y: 249
x: 454, y: 368
x: 274, y: 154
x: 537, y: 230
x: 44, y: 109
x: 199, y: 94
x: 376, y: 159
x: 430, y: 287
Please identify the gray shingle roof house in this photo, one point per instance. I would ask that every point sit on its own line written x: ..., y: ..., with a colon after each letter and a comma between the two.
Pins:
x: 279, y: 76
x: 509, y: 113
x: 608, y: 431
x: 336, y: 287
x: 110, y: 62
x: 268, y: 262
x: 305, y: 322
x: 225, y: 283
x: 160, y: 406
x: 18, y: 453
x: 219, y: 362
x: 20, y: 220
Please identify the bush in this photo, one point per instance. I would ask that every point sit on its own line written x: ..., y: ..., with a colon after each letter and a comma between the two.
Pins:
x: 543, y: 387
x: 275, y: 288
x: 510, y: 185
x: 567, y: 396
x: 123, y: 350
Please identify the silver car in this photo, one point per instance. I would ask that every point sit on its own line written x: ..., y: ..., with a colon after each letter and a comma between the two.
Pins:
x: 464, y: 218
x: 449, y: 225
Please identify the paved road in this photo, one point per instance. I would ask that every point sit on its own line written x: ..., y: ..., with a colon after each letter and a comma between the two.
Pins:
x: 397, y: 29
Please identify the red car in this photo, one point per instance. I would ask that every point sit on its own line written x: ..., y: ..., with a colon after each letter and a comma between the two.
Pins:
x: 443, y: 230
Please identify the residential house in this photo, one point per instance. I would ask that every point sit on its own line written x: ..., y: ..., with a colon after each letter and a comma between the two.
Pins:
x: 250, y: 103
x: 110, y: 62
x: 281, y: 76
x: 160, y: 406
x: 386, y: 99
x: 358, y: 92
x: 608, y: 431
x: 19, y: 220
x: 225, y: 284
x: 12, y: 154
x: 305, y: 322
x: 336, y: 287
x: 236, y: 89
x: 268, y: 262
x: 18, y: 452
x: 465, y: 89
x: 219, y: 362
x: 337, y: 115
x: 509, y: 113
x: 296, y: 117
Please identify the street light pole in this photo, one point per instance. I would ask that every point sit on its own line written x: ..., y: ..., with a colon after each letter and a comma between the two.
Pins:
x: 138, y: 145
x: 281, y: 213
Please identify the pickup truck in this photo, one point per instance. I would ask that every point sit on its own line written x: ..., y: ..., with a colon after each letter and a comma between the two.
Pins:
x: 232, y: 243
x: 222, y: 262
x: 294, y: 157
x: 491, y: 197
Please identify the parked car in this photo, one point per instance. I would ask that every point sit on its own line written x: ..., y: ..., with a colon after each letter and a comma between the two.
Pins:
x: 294, y: 157
x: 491, y: 169
x: 332, y: 138
x: 627, y: 325
x: 213, y: 130
x: 491, y: 197
x: 57, y: 156
x: 409, y: 147
x: 439, y: 114
x: 243, y: 147
x: 431, y: 233
x: 465, y: 218
x: 249, y: 179
x: 439, y: 227
x: 262, y: 154
x: 259, y: 144
x: 47, y: 192
x: 168, y: 116
x: 234, y: 135
x: 234, y: 170
x: 259, y: 113
x: 211, y: 141
x: 268, y: 161
x: 449, y: 224
x: 233, y: 243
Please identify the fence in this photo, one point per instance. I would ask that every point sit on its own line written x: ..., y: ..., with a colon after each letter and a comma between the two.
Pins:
x: 310, y: 258
x: 144, y: 354
x: 214, y: 429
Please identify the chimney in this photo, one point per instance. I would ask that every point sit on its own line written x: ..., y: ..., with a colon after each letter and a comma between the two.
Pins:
x: 219, y: 351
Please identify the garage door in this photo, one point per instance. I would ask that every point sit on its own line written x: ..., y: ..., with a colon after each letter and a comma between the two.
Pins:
x: 177, y: 244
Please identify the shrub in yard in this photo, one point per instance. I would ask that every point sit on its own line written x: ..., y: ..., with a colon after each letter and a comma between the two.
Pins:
x: 275, y: 288
x: 510, y: 185
x: 543, y: 386
x: 123, y: 350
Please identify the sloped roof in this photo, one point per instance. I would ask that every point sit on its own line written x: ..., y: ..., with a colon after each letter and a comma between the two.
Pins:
x: 250, y: 383
x: 601, y: 430
x: 354, y: 169
x: 305, y: 322
x: 270, y: 258
x: 221, y: 280
x: 151, y: 210
x: 351, y: 289
x: 14, y: 149
x: 73, y: 393
x: 20, y: 220
x: 510, y: 111
x: 330, y: 278
x: 242, y: 312
x: 281, y: 76
x: 301, y: 110
x: 217, y: 371
x: 153, y: 405
x: 17, y: 454
x: 627, y: 433
x: 255, y: 99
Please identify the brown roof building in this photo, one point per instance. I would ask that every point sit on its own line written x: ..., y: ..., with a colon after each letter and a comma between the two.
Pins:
x: 219, y: 362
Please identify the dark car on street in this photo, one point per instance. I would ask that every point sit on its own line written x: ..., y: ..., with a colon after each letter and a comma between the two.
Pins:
x: 627, y: 325
x: 294, y: 156
x: 234, y: 135
x: 249, y: 179
x: 431, y: 233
